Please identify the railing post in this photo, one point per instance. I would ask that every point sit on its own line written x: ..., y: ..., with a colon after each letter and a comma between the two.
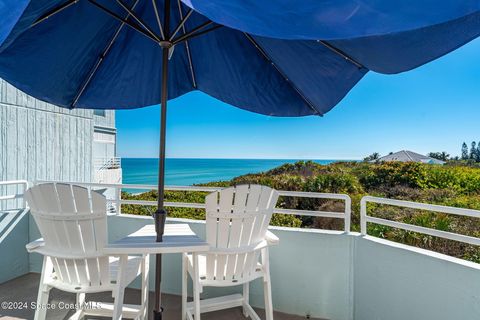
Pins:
x: 25, y: 187
x: 348, y: 213
x: 363, y: 216
x: 118, y: 198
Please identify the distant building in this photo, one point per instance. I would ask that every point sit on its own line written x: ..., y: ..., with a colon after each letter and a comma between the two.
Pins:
x: 40, y: 141
x: 409, y: 156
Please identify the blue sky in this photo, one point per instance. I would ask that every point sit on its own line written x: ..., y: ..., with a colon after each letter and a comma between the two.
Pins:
x: 432, y: 108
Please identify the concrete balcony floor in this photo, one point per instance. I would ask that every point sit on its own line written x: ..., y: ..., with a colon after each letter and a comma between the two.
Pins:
x: 24, y: 289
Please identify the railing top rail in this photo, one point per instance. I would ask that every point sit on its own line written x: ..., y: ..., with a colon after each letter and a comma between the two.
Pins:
x: 305, y: 194
x: 206, y: 189
x: 425, y: 230
x: 423, y: 206
x: 13, y: 195
x: 137, y: 186
x: 365, y: 218
x: 13, y: 182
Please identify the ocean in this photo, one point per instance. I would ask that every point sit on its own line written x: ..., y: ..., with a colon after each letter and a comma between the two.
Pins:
x: 184, y: 172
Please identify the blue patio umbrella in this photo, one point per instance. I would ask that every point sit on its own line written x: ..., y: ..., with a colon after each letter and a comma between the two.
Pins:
x: 279, y: 57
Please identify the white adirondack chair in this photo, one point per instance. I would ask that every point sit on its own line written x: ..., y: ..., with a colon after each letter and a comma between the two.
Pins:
x: 236, y: 229
x: 73, y: 224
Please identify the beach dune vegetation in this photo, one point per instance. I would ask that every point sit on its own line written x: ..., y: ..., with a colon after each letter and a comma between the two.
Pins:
x: 451, y: 185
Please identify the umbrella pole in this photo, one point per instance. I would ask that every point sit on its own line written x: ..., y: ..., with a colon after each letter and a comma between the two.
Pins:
x: 161, y: 214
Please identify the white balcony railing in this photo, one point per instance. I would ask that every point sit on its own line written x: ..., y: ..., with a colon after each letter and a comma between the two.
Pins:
x: 117, y: 200
x: 11, y: 196
x: 365, y: 218
x: 14, y: 197
x: 107, y: 163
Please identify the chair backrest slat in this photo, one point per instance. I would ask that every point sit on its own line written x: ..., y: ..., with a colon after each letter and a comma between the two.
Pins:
x: 237, y: 218
x: 62, y: 213
x: 226, y: 200
x: 234, y: 242
x: 93, y: 271
x: 65, y: 198
x: 81, y: 265
x: 211, y: 203
x: 223, y: 230
x: 82, y: 201
x: 253, y: 196
x: 241, y: 196
x: 49, y: 195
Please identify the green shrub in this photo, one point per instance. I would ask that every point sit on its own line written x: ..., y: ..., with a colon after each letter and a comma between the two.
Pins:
x: 456, y: 184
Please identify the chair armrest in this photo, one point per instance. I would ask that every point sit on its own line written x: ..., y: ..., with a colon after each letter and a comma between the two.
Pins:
x: 35, y: 245
x: 271, y: 239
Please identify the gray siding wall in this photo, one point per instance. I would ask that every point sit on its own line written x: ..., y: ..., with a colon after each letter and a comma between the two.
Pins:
x: 40, y: 141
x: 107, y: 121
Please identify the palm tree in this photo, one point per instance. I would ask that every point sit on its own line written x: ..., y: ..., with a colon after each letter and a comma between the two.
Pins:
x: 373, y: 156
x: 439, y: 155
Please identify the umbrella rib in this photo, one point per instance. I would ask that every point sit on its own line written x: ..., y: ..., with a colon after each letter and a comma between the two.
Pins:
x: 157, y: 16
x: 187, y: 48
x: 282, y: 74
x: 100, y: 60
x: 139, y: 21
x: 132, y: 25
x: 196, y: 34
x: 181, y: 24
x: 191, y: 32
x: 341, y: 53
x: 54, y: 12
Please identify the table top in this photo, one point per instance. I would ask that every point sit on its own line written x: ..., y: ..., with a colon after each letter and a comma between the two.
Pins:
x: 177, y: 238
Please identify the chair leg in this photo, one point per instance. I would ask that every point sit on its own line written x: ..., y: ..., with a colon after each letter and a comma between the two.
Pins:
x: 268, y: 299
x: 120, y: 288
x: 184, y: 286
x: 80, y: 302
x: 145, y: 270
x: 246, y: 298
x: 196, y: 288
x: 80, y: 298
x: 43, y: 290
x: 118, y: 303
x: 267, y: 289
x: 42, y: 300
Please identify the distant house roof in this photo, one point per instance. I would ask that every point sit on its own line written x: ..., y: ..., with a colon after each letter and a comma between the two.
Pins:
x: 409, y: 156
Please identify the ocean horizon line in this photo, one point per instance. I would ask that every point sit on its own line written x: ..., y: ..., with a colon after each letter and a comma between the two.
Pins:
x: 288, y: 159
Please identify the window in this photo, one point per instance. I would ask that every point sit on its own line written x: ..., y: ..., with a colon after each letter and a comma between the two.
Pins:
x: 99, y: 112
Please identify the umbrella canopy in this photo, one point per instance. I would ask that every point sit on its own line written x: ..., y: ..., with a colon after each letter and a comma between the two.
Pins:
x: 268, y: 76
x: 92, y: 60
x: 280, y: 58
x: 332, y: 20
